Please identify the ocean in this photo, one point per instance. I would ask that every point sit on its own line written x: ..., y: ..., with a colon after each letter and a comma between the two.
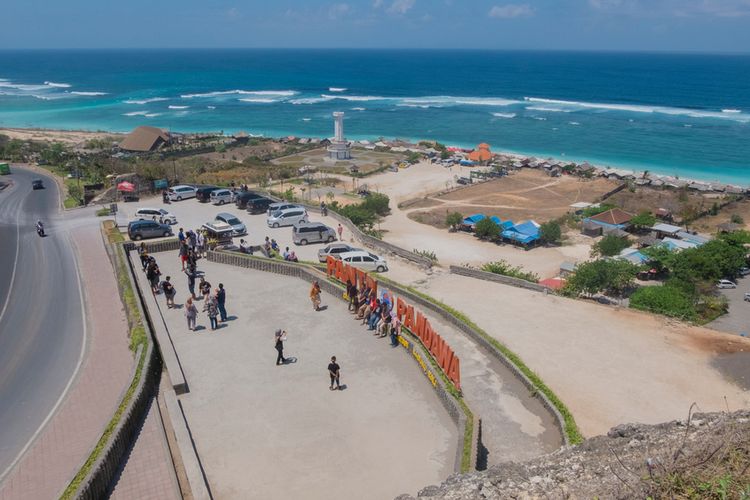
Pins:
x: 676, y: 114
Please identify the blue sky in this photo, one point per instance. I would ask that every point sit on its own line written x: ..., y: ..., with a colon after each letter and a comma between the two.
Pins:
x: 663, y: 25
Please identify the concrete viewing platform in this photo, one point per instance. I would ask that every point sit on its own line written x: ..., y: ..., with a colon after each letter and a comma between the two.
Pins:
x: 267, y: 431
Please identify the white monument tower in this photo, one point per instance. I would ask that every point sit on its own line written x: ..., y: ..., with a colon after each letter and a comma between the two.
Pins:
x: 339, y: 148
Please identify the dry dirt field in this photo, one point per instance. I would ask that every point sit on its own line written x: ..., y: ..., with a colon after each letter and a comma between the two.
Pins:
x: 526, y: 194
x: 367, y: 161
x: 677, y: 201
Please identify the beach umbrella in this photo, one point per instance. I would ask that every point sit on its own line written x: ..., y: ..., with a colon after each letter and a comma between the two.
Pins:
x: 126, y: 186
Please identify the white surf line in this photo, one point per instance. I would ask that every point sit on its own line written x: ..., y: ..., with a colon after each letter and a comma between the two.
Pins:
x: 73, y: 377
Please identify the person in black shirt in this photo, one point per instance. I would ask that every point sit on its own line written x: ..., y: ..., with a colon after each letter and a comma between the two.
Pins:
x: 279, y: 338
x: 169, y: 292
x: 334, y: 371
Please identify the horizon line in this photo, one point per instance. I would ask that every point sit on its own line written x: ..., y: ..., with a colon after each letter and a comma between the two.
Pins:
x: 393, y: 49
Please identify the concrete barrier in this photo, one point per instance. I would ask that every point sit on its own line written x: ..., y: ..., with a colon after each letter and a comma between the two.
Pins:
x: 499, y: 278
x: 194, y: 472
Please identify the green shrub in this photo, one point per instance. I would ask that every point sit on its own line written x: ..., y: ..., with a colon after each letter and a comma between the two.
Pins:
x: 453, y: 219
x: 377, y: 203
x: 609, y: 246
x: 609, y: 276
x: 503, y: 268
x: 667, y: 300
x: 737, y: 219
x: 644, y: 219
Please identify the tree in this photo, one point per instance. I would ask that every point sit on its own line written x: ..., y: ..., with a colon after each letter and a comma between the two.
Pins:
x: 453, y: 219
x: 487, y: 229
x: 609, y: 246
x: 737, y: 219
x: 660, y: 258
x: 445, y: 154
x: 610, y: 276
x: 377, y: 203
x: 551, y: 232
x: 643, y: 219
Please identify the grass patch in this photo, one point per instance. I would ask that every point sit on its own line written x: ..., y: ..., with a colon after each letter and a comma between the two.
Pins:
x: 571, y: 428
x: 102, y: 212
x: 137, y: 336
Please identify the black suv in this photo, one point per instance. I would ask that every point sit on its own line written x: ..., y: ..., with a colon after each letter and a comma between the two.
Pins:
x: 258, y: 205
x: 37, y: 184
x: 203, y: 193
x: 243, y: 198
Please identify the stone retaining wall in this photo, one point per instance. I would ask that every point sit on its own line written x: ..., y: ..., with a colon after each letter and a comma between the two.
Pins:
x: 102, y: 473
x: 506, y: 280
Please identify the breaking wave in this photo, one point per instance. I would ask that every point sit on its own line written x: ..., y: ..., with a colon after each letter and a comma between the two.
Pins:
x: 146, y: 101
x: 220, y: 93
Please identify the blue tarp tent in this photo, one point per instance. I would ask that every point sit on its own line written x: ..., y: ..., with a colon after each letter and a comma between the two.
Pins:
x: 524, y: 233
x: 470, y: 222
x: 466, y: 163
x: 496, y: 220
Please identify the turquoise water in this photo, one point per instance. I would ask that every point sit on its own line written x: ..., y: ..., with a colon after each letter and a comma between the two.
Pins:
x: 686, y: 115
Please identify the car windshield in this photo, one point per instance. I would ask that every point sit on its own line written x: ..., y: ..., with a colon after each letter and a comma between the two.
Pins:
x: 277, y: 213
x: 163, y: 212
x: 234, y: 221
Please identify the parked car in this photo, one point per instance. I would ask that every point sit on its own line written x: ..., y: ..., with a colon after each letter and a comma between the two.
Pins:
x: 744, y: 271
x: 334, y: 250
x: 203, y: 193
x: 282, y: 205
x: 726, y: 284
x: 140, y: 229
x: 258, y: 205
x: 747, y: 296
x: 312, y: 232
x: 37, y: 184
x: 288, y: 217
x: 221, y: 196
x: 241, y: 199
x: 365, y: 260
x: 238, y: 228
x: 155, y: 214
x: 179, y: 193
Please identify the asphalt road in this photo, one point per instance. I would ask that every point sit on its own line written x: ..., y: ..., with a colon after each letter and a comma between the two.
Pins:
x: 42, y: 329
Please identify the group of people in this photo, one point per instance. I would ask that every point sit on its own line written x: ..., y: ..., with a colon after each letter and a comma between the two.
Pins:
x: 377, y: 313
x: 214, y: 304
x: 192, y: 247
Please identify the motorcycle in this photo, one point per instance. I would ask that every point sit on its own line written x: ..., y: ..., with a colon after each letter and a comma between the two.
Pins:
x: 40, y: 230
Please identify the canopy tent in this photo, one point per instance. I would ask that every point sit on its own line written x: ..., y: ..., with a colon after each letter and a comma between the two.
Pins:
x: 524, y: 232
x: 126, y: 187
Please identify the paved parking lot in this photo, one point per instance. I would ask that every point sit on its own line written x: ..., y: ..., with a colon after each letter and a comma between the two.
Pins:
x: 191, y: 214
x: 737, y: 320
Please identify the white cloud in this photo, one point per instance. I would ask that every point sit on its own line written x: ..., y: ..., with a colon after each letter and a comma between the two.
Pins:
x: 511, y: 10
x: 401, y: 7
x: 605, y: 4
x: 338, y: 10
x: 376, y: 4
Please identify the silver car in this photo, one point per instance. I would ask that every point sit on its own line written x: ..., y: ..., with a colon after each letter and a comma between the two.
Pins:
x: 238, y: 228
x: 312, y: 232
x: 140, y: 229
x: 282, y: 205
x: 287, y: 217
x: 334, y: 249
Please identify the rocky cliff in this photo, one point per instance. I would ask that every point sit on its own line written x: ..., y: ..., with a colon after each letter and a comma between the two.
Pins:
x: 705, y: 456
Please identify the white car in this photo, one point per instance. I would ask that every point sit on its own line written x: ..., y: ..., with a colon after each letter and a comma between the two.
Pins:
x: 364, y: 260
x: 179, y: 193
x: 155, y: 214
x: 282, y: 205
x: 288, y: 217
x: 726, y: 284
x: 221, y: 196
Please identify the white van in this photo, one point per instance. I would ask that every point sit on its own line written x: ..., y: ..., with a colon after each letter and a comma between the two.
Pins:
x: 288, y: 217
x: 179, y: 193
x: 364, y: 260
x: 221, y: 196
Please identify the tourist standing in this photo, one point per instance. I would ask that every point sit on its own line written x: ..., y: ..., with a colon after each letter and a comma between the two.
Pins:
x: 169, y: 292
x: 181, y: 235
x: 340, y: 230
x: 183, y: 253
x: 192, y: 240
x: 213, y: 311
x: 315, y: 295
x: 191, y: 313
x: 395, y: 330
x: 143, y: 254
x: 190, y: 272
x: 201, y: 239
x: 221, y: 297
x: 334, y: 371
x: 279, y: 339
x: 205, y: 288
